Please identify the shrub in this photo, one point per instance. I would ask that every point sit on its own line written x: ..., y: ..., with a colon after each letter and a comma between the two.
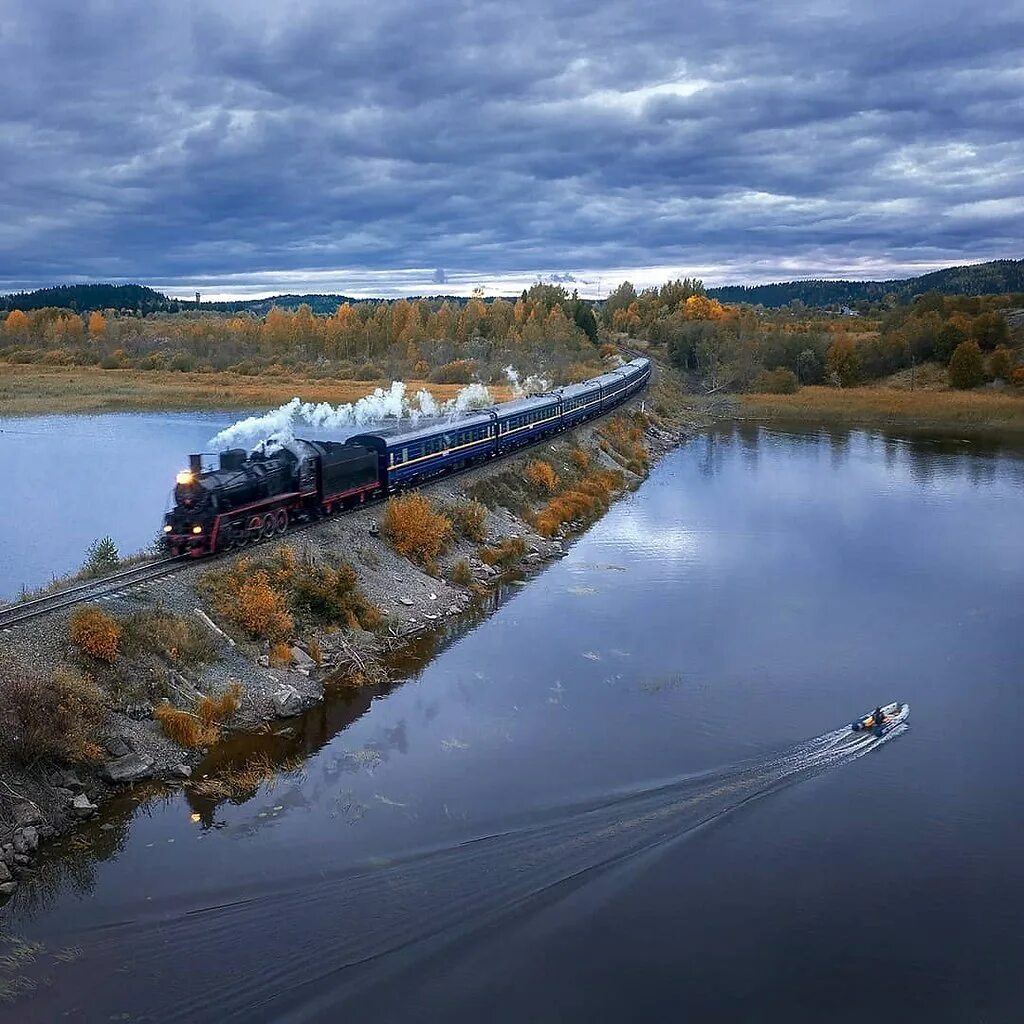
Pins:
x: 44, y: 715
x: 178, y: 640
x: 95, y: 633
x: 580, y: 458
x: 460, y: 371
x: 966, y: 366
x: 415, y: 529
x: 607, y: 349
x: 541, y: 476
x: 469, y: 519
x: 329, y: 593
x: 100, y: 557
x: 1017, y: 376
x: 367, y: 372
x: 622, y: 437
x: 776, y: 382
x: 583, y: 502
x: 505, y: 554
x: 843, y: 362
x: 280, y: 655
x: 243, y: 595
x: 461, y: 574
x: 314, y: 651
x: 1000, y: 363
x: 110, y: 363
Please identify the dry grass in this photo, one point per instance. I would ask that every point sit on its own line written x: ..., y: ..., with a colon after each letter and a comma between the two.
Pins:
x: 416, y: 529
x: 49, y: 715
x: 987, y: 410
x: 622, y: 437
x: 243, y: 595
x: 95, y: 633
x: 280, y: 655
x: 177, y: 640
x: 461, y: 574
x: 31, y: 389
x: 201, y: 728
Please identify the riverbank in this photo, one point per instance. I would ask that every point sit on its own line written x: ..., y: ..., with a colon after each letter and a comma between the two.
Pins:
x: 882, y: 407
x: 34, y: 390
x: 183, y: 672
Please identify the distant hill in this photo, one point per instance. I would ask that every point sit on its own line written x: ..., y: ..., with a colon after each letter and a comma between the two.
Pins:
x: 87, y: 297
x: 995, y: 278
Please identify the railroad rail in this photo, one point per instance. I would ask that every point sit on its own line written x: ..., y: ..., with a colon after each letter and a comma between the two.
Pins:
x: 102, y: 586
x: 146, y: 572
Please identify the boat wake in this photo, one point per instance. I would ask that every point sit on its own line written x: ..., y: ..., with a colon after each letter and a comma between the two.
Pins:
x: 279, y: 952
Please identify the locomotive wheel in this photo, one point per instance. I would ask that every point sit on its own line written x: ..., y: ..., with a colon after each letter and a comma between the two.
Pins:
x: 255, y: 530
x: 281, y: 520
x: 269, y: 525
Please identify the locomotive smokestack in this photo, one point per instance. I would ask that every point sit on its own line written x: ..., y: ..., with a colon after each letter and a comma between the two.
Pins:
x: 195, y: 465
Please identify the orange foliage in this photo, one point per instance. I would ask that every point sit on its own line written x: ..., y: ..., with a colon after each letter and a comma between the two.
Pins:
x: 214, y: 710
x: 415, y: 529
x: 583, y: 502
x: 280, y: 655
x: 95, y: 633
x: 185, y: 729
x: 580, y: 457
x: 16, y: 324
x: 541, y: 476
x: 97, y: 324
x: 244, y: 595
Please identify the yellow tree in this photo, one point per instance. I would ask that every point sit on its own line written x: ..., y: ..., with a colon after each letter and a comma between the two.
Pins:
x: 277, y: 328
x: 16, y: 325
x: 97, y: 325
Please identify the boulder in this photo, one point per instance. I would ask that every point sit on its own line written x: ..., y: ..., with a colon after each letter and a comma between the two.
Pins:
x: 287, y: 700
x: 26, y: 813
x: 8, y: 888
x: 67, y: 779
x: 302, y: 661
x: 7, y: 853
x: 5, y: 872
x: 26, y: 840
x: 129, y: 768
x: 181, y: 771
x: 118, y: 746
x: 83, y: 807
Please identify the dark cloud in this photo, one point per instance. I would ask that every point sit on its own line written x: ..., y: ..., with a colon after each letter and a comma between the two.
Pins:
x: 244, y: 147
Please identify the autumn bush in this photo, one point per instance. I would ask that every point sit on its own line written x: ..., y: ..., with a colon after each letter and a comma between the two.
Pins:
x: 416, y: 529
x: 95, y: 633
x: 583, y: 502
x: 217, y: 710
x: 45, y: 714
x: 541, y: 476
x: 177, y: 640
x: 461, y: 574
x: 280, y: 655
x: 243, y: 595
x: 776, y: 382
x: 966, y: 366
x: 622, y: 437
x: 580, y: 458
x: 1000, y: 364
x: 504, y: 554
x: 469, y: 518
x: 324, y: 592
x: 1017, y: 376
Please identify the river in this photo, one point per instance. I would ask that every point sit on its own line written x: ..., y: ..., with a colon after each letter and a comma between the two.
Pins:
x: 628, y: 793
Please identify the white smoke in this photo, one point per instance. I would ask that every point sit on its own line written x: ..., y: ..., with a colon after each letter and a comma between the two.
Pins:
x: 379, y: 406
x: 534, y: 384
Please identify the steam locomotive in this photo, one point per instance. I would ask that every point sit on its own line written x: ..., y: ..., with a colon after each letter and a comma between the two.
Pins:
x: 252, y: 496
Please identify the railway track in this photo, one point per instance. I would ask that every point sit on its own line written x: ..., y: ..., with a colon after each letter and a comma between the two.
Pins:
x: 146, y: 572
x: 104, y: 586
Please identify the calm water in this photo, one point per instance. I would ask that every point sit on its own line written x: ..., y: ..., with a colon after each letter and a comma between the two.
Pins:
x: 74, y: 479
x: 629, y: 793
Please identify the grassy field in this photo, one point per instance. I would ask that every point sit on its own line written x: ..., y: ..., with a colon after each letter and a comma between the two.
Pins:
x: 893, y: 407
x: 29, y: 389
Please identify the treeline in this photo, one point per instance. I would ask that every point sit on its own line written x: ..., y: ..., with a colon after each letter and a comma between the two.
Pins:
x: 545, y: 330
x: 83, y: 298
x: 738, y: 347
x: 998, y: 277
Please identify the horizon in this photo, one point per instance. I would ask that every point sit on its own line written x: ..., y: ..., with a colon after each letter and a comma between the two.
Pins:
x: 246, y: 150
x: 593, y: 286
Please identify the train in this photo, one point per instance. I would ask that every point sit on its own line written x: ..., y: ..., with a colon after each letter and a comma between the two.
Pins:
x: 252, y: 496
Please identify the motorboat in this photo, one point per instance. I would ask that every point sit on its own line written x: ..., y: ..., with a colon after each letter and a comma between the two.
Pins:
x: 892, y: 715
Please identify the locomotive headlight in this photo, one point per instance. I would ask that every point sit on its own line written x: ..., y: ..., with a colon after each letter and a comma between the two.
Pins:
x: 185, y: 477
x: 197, y: 529
x: 167, y: 529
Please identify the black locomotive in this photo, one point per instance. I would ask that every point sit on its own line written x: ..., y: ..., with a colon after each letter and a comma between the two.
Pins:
x: 250, y: 497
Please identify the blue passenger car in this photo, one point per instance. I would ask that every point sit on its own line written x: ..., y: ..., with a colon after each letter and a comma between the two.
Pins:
x: 526, y: 419
x: 408, y: 457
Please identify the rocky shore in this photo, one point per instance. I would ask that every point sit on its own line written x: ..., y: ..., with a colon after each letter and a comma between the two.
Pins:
x: 41, y: 799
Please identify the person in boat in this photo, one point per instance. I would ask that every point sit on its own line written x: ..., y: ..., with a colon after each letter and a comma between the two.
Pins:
x: 879, y: 715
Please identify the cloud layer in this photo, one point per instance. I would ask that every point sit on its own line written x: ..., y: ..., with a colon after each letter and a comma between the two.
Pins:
x: 393, y: 147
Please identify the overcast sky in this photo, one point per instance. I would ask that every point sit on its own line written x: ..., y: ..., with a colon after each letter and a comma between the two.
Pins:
x: 395, y: 147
